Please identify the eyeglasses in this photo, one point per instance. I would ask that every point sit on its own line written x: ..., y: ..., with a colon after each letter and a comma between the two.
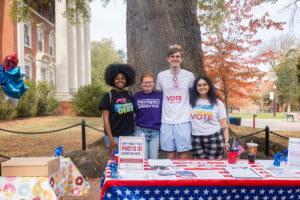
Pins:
x: 175, y: 81
x: 158, y: 167
x: 147, y: 82
x: 202, y: 85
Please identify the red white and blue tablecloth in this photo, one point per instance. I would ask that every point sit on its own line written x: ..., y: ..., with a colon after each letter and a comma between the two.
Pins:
x: 225, y: 188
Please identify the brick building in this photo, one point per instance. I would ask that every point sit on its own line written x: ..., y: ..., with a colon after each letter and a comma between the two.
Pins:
x: 265, y: 87
x: 49, y: 48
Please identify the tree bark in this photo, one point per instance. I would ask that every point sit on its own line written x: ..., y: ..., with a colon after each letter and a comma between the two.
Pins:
x: 152, y: 26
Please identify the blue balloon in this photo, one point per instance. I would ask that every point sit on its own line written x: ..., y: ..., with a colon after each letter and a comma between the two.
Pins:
x: 12, y: 83
x: 59, y: 151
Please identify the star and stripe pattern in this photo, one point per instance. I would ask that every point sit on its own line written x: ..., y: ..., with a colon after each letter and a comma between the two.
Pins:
x: 226, y: 188
x: 202, y: 193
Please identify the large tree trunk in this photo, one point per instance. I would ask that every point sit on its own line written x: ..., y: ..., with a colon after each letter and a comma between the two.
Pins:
x: 153, y: 25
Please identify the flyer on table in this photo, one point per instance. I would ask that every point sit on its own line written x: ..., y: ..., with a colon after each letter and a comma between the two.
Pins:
x: 131, y: 152
x: 294, y: 153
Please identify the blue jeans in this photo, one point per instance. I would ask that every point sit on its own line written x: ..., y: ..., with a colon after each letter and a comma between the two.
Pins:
x: 151, y: 141
x: 107, y: 140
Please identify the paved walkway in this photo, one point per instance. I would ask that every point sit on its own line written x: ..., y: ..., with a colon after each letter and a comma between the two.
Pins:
x: 274, y: 124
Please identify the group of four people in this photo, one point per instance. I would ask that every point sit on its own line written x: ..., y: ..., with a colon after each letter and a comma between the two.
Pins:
x: 186, y: 115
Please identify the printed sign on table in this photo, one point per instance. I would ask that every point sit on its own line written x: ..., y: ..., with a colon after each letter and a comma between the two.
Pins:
x: 131, y: 152
x: 294, y: 153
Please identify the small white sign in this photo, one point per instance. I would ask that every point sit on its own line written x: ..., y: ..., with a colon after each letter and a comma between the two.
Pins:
x: 294, y: 153
x: 131, y: 152
x: 271, y: 95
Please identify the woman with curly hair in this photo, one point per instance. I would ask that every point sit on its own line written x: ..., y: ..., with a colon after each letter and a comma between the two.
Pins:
x: 209, y: 121
x: 116, y: 105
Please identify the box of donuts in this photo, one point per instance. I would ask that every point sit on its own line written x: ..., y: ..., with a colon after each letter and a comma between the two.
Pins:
x: 30, y: 166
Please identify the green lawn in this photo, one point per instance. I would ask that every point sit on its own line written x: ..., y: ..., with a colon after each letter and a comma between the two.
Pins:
x: 279, y: 115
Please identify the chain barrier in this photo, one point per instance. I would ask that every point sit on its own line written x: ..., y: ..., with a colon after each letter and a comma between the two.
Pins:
x: 94, y: 128
x: 245, y: 136
x: 99, y: 130
x: 42, y: 132
x: 279, y: 135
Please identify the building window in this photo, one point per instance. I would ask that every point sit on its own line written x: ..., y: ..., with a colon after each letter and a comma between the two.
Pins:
x: 43, y: 74
x: 40, y: 7
x: 51, y: 77
x: 51, y: 45
x: 51, y: 18
x: 27, y: 35
x: 28, y: 71
x: 40, y: 40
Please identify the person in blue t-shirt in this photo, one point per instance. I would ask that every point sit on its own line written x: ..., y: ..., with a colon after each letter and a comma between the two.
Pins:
x: 147, y: 105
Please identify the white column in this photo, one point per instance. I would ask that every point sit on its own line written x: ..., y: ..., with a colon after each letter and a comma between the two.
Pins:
x: 62, y: 52
x: 80, y: 55
x: 73, y: 65
x: 20, y: 36
x: 87, y: 43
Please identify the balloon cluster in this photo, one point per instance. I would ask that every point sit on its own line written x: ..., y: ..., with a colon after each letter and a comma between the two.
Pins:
x: 277, y: 159
x: 114, y: 164
x: 113, y: 170
x: 59, y: 151
x: 286, y: 151
x: 11, y: 80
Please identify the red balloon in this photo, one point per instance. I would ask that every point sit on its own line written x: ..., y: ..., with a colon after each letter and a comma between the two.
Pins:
x: 11, y: 61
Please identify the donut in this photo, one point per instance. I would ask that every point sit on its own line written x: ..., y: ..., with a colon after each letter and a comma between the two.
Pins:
x: 79, y: 180
x: 71, y: 168
x: 59, y: 176
x: 65, y: 185
x: 76, y: 191
x: 56, y: 179
x: 57, y: 191
x: 37, y: 189
x: 70, y: 179
x: 9, y: 190
x: 10, y: 178
x: 52, y: 182
x: 37, y: 198
x: 64, y: 172
x: 48, y: 195
x: 25, y: 179
x: 84, y: 192
x: 24, y: 189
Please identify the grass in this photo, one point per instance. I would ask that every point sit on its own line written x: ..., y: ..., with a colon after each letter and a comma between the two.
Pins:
x: 12, y: 144
x: 241, y: 131
x: 279, y: 115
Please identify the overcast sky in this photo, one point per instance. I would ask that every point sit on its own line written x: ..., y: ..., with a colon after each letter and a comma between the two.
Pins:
x: 110, y: 22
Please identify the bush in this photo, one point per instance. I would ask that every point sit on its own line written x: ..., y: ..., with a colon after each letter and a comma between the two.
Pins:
x: 7, y: 110
x: 86, y: 100
x: 47, y: 103
x: 27, y: 105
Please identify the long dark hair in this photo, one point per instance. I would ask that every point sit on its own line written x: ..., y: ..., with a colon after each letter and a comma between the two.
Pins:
x: 212, y: 94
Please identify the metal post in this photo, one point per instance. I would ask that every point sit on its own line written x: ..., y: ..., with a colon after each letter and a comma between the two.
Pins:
x: 83, y: 134
x: 254, y: 120
x: 274, y: 102
x: 267, y: 131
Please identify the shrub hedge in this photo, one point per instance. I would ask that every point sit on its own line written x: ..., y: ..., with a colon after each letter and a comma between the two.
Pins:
x: 86, y: 100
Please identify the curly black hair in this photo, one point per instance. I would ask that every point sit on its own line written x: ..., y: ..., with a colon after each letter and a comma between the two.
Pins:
x: 113, y: 70
x: 212, y: 94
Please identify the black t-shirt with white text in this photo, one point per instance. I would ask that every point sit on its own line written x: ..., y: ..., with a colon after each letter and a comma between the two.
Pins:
x: 120, y: 109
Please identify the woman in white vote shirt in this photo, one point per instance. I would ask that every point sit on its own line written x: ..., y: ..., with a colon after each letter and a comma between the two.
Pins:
x: 209, y: 121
